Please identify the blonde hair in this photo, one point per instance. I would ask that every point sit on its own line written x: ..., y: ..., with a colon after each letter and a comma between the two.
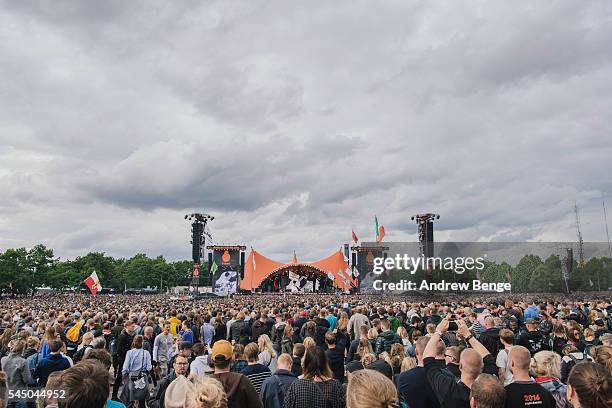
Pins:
x: 408, y: 363
x: 309, y: 342
x: 386, y: 357
x: 87, y: 336
x: 342, y: 321
x: 372, y: 333
x: 368, y: 359
x: 402, y: 332
x: 603, y: 355
x: 207, y: 392
x: 369, y: 388
x: 265, y: 344
x: 546, y: 364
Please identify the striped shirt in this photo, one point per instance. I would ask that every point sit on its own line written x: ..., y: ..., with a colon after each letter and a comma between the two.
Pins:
x: 256, y: 373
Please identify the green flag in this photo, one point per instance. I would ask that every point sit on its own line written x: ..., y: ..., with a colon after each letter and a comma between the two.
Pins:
x: 213, y: 268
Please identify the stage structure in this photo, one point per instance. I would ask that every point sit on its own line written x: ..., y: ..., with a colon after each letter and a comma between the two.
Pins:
x: 226, y: 264
x: 327, y: 275
x: 363, y: 261
x: 426, y: 232
x: 198, y: 231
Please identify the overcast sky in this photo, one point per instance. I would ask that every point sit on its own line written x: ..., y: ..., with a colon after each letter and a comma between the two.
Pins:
x: 295, y: 122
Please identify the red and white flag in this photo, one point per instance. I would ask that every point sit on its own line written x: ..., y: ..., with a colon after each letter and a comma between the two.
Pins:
x: 93, y: 283
x: 355, y: 239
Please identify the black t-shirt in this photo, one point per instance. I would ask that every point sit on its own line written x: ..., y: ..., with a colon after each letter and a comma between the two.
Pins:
x: 528, y: 394
x: 336, y: 362
x: 450, y: 391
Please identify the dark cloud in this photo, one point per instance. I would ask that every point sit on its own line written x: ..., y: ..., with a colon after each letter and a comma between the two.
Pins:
x: 294, y: 125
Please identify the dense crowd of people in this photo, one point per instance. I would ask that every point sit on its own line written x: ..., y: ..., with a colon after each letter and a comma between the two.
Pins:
x: 305, y: 351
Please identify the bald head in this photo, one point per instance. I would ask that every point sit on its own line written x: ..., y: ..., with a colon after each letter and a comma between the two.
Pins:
x: 519, y: 359
x: 470, y: 363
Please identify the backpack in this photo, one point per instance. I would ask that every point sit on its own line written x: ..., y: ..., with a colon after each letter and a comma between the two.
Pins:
x: 73, y: 334
x: 586, y: 353
x: 32, y: 364
x: 78, y: 356
x: 542, y: 343
x: 113, y: 348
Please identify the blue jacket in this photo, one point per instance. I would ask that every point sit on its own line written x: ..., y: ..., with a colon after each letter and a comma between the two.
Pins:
x: 46, y: 366
x: 385, y: 340
x: 274, y: 388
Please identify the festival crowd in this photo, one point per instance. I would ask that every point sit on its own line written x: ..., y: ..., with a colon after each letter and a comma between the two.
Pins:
x: 305, y: 351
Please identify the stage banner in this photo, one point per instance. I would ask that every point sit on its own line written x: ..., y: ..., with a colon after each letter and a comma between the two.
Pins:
x: 365, y: 262
x: 225, y: 278
x: 226, y: 283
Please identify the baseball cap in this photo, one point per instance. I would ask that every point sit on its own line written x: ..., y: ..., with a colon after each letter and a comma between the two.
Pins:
x: 531, y: 320
x: 222, y: 350
x: 184, y: 345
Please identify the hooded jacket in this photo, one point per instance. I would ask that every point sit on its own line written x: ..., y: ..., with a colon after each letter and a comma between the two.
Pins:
x: 385, y: 340
x: 258, y: 329
x: 490, y: 339
x: 240, y: 392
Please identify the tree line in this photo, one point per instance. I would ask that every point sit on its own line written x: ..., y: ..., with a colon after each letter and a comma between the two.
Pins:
x: 531, y: 274
x: 23, y: 270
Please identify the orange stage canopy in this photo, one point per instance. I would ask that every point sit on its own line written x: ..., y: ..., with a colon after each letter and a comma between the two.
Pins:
x: 258, y: 268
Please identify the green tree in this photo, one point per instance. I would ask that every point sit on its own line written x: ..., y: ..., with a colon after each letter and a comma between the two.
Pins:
x: 593, y: 275
x: 521, y: 275
x: 96, y: 261
x: 15, y: 276
x: 547, y: 277
x: 494, y: 272
x: 63, y: 275
x: 40, y: 261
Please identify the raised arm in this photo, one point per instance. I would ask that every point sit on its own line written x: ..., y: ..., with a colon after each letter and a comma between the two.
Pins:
x: 464, y: 332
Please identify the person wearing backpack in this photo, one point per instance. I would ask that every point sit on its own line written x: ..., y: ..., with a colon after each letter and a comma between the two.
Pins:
x: 533, y: 339
x: 136, y: 366
x: 83, y: 347
x: 72, y: 334
x: 273, y: 388
x: 571, y: 357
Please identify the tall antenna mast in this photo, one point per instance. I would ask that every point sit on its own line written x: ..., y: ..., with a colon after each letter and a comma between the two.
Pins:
x: 607, y: 233
x: 580, y: 247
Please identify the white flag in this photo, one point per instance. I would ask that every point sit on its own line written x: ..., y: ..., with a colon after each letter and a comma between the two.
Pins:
x: 355, y: 272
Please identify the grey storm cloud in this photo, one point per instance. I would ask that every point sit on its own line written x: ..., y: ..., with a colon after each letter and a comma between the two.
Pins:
x: 294, y: 124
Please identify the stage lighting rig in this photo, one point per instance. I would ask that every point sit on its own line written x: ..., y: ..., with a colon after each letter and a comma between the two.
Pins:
x: 425, y: 229
x: 198, y: 232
